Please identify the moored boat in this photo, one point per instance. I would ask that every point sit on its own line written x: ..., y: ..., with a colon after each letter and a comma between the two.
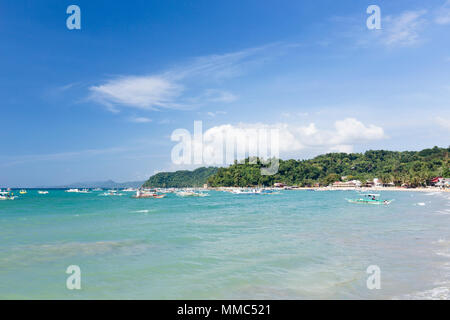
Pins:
x: 188, y: 193
x: 246, y: 191
x: 143, y: 194
x: 7, y: 195
x: 369, y: 198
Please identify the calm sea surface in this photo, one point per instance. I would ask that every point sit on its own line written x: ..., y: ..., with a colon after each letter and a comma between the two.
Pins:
x: 293, y: 245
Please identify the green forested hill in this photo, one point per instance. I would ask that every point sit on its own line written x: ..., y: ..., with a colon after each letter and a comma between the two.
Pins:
x: 414, y: 168
x: 180, y: 179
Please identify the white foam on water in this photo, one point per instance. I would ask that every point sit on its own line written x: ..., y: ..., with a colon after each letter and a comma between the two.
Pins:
x: 142, y: 211
x: 421, y: 203
x: 438, y: 293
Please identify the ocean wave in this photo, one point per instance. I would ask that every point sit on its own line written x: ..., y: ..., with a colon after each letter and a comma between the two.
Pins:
x: 438, y: 293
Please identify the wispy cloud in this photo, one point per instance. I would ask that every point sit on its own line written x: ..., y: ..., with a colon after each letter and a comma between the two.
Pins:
x: 216, y: 113
x: 403, y: 29
x: 149, y: 92
x: 140, y: 119
x: 182, y: 87
x: 443, y: 14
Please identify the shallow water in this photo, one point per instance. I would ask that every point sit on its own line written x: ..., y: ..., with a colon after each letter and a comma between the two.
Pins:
x: 293, y: 245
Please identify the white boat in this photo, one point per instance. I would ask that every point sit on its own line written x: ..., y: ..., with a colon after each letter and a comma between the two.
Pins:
x: 84, y: 191
x: 369, y: 198
x: 246, y: 191
x: 42, y: 192
x: 142, y: 194
x: 111, y: 193
x: 6, y: 195
x: 188, y: 193
x: 73, y: 190
x: 129, y: 190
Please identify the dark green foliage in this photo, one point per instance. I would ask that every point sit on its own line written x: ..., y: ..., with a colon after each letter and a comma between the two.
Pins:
x: 409, y: 167
x: 180, y: 179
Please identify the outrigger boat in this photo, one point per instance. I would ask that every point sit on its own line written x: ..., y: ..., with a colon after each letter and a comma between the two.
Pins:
x: 189, y: 193
x: 369, y: 198
x: 6, y: 195
x: 111, y: 192
x: 246, y: 191
x: 142, y: 194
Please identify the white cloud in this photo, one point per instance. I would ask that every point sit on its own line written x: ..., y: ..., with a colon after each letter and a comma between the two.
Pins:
x: 213, y: 114
x: 140, y: 119
x: 181, y: 87
x: 403, y: 30
x: 342, y: 138
x: 140, y: 92
x: 443, y: 14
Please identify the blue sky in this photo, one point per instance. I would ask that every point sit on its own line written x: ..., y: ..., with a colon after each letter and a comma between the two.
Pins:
x: 101, y: 102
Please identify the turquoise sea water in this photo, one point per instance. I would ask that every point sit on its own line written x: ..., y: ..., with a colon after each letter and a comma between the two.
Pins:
x: 294, y: 245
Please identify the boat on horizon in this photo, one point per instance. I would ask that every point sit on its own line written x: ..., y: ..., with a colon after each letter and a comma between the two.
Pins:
x: 42, y: 192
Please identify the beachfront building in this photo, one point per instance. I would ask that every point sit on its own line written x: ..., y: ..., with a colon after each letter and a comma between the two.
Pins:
x: 377, y: 182
x: 279, y: 185
x: 347, y: 184
x: 441, y: 182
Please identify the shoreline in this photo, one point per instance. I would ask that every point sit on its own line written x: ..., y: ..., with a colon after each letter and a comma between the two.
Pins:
x: 421, y: 189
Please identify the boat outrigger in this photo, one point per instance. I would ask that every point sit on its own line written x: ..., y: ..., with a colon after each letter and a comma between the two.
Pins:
x: 369, y: 198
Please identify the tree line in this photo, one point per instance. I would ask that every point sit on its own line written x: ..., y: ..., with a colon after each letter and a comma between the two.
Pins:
x: 411, y: 168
